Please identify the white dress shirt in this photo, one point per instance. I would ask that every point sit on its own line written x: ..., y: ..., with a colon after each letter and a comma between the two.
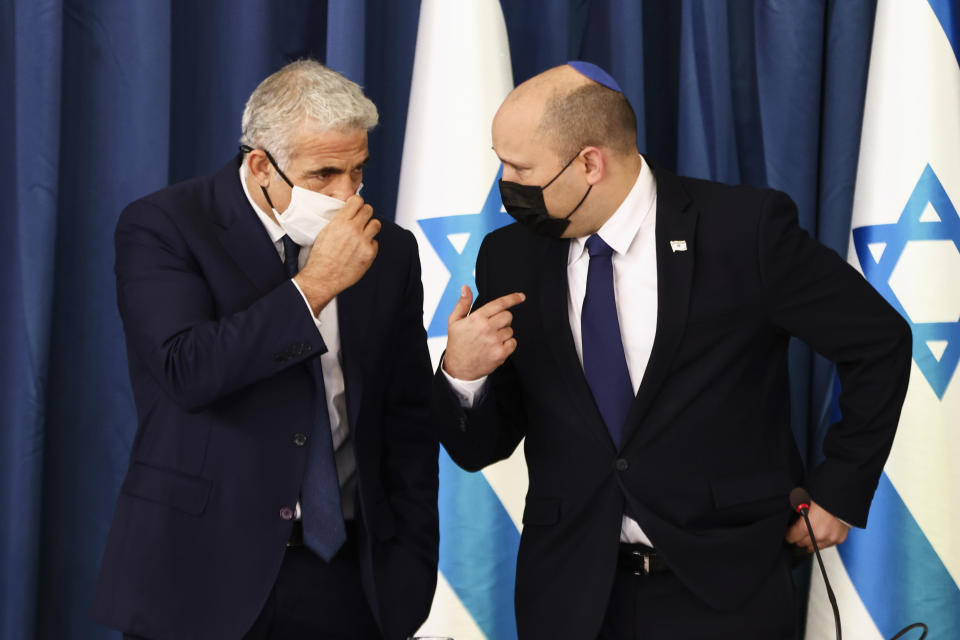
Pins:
x: 631, y: 233
x: 330, y: 364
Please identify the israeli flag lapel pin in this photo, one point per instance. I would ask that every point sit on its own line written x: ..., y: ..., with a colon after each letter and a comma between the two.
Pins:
x: 678, y: 245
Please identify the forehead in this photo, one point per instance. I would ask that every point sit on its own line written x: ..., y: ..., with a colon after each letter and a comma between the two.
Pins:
x: 515, y: 132
x: 313, y: 145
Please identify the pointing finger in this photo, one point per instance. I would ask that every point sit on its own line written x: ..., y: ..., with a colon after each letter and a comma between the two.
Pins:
x: 502, y: 303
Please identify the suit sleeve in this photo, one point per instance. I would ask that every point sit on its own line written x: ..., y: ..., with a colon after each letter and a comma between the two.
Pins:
x: 489, y: 431
x: 171, y: 322
x: 812, y: 293
x: 412, y: 448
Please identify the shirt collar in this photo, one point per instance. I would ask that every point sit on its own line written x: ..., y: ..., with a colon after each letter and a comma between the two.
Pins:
x: 622, y: 227
x: 274, y: 230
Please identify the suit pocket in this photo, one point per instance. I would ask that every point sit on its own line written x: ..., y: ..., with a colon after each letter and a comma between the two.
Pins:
x: 749, y: 488
x: 186, y: 493
x: 542, y: 511
x: 176, y: 440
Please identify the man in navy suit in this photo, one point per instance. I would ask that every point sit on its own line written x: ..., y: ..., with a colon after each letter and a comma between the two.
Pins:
x: 634, y: 329
x: 283, y: 478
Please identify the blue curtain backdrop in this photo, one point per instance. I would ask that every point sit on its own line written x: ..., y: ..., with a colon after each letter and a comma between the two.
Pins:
x: 106, y: 100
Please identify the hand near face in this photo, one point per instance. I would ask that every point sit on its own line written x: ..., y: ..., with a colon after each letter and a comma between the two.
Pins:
x: 341, y: 254
x: 479, y: 342
x: 828, y: 529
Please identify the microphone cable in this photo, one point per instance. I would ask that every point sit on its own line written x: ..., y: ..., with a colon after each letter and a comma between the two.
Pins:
x: 800, y: 501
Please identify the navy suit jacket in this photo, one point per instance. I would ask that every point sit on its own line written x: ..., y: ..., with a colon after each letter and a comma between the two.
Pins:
x: 218, y: 344
x: 708, y: 456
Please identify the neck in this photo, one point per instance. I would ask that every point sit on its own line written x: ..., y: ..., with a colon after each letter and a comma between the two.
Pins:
x: 621, y: 177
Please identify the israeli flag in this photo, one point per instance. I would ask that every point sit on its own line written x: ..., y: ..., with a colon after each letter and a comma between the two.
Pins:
x: 449, y: 198
x: 905, y: 566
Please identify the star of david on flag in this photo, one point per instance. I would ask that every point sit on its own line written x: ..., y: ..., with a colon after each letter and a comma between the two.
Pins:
x: 893, y: 257
x: 456, y: 239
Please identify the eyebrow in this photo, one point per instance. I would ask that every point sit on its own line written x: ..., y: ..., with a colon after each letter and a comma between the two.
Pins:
x: 334, y: 170
x: 513, y: 164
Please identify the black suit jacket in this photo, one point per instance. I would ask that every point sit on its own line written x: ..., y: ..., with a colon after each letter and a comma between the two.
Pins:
x: 219, y: 342
x: 708, y: 456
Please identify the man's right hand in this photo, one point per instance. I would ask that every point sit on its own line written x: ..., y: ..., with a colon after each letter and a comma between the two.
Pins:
x: 479, y: 342
x: 341, y: 254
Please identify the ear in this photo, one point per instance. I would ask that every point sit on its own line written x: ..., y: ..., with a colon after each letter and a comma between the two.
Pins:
x: 594, y: 164
x: 259, y: 166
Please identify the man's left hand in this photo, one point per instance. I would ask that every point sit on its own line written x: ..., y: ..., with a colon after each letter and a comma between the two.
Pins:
x: 828, y: 529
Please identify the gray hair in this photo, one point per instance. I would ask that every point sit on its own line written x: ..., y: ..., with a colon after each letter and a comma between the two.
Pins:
x: 302, y: 93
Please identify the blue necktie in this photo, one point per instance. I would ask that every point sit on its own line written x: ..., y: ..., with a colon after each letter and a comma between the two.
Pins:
x: 323, y: 528
x: 604, y: 363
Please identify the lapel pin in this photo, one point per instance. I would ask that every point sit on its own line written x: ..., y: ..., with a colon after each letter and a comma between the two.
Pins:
x: 678, y: 245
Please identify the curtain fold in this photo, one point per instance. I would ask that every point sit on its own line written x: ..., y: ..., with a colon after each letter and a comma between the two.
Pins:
x: 114, y: 117
x: 31, y: 164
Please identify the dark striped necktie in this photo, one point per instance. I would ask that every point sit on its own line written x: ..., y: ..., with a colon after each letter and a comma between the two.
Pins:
x: 324, y: 531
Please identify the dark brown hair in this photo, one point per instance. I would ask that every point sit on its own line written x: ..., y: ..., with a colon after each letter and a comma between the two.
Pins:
x: 590, y: 115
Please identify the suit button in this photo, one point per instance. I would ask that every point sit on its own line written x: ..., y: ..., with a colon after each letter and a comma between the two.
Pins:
x: 621, y: 464
x: 299, y: 439
x: 286, y: 513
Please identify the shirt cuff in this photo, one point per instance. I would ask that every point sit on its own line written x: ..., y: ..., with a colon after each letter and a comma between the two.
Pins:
x: 316, y: 319
x: 467, y: 391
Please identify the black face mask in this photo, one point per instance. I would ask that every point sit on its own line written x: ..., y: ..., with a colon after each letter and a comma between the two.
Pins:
x: 525, y: 203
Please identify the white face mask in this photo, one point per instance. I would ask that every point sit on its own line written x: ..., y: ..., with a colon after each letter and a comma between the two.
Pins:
x: 307, y: 214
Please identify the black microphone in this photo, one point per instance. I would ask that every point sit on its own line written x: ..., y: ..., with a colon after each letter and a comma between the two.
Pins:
x: 800, y: 501
x: 799, y: 498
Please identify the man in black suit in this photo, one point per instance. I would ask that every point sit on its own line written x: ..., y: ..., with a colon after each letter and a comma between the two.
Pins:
x: 283, y: 477
x: 634, y: 329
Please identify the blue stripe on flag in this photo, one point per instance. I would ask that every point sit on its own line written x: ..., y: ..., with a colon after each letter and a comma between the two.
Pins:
x: 478, y: 548
x: 946, y: 12
x: 894, y: 568
x: 897, y: 573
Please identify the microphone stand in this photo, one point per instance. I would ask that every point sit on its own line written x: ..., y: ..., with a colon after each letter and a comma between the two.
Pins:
x: 800, y: 501
x: 803, y: 509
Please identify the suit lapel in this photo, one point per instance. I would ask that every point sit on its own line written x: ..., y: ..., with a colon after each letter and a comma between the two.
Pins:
x: 354, y: 307
x: 242, y: 234
x: 556, y: 324
x: 676, y: 221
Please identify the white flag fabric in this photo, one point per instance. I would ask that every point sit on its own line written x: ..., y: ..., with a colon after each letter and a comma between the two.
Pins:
x: 449, y: 198
x: 904, y: 567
